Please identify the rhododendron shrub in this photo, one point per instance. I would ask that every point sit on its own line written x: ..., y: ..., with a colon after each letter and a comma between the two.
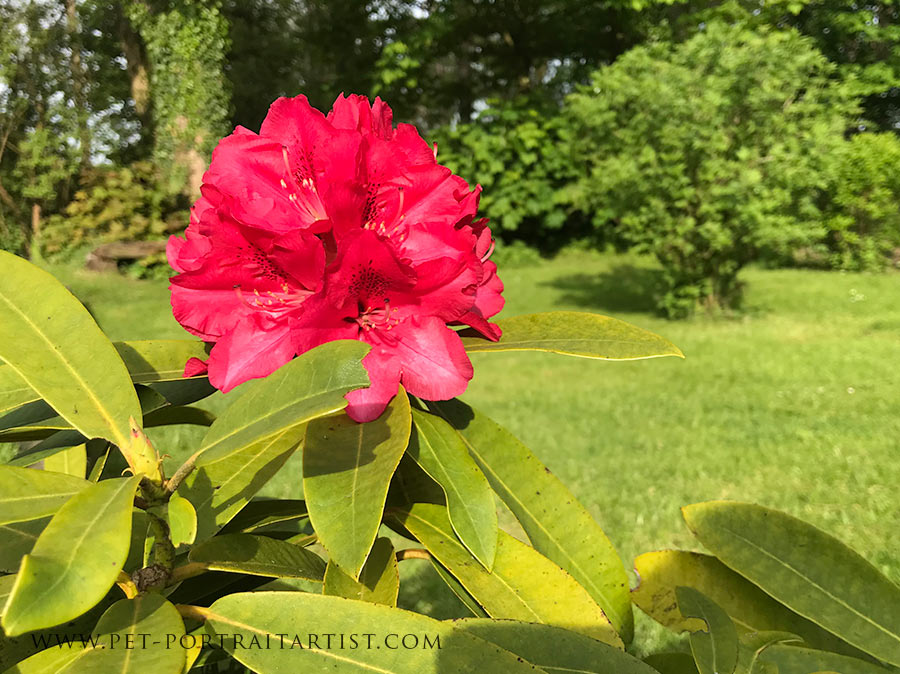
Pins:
x: 338, y: 278
x: 338, y: 226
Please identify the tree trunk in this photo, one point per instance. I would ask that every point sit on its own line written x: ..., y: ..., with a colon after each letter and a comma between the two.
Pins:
x: 33, y: 238
x: 138, y: 68
x: 79, y: 83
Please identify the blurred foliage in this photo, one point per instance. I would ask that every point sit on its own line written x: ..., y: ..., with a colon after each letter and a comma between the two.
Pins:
x: 112, y: 204
x: 186, y: 42
x: 863, y: 213
x: 93, y: 88
x: 709, y: 154
x: 514, y: 152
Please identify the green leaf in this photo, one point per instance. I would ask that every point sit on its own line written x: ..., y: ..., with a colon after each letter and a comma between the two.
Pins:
x: 173, y: 415
x: 558, y: 526
x: 159, y: 359
x: 52, y: 342
x: 752, y: 646
x: 573, y: 333
x: 456, y: 587
x: 50, y: 661
x: 379, y: 581
x: 149, y: 399
x: 17, y: 540
x: 441, y: 453
x: 6, y: 586
x: 258, y: 556
x: 147, y: 361
x: 75, y: 560
x: 347, y: 469
x: 183, y: 391
x: 554, y: 649
x: 14, y: 391
x: 523, y: 584
x: 716, y: 649
x: 135, y: 636
x: 310, y: 386
x: 72, y: 461
x: 182, y: 519
x: 807, y: 570
x: 28, y: 494
x: 795, y: 660
x: 672, y: 663
x: 265, y: 615
x: 751, y: 609
x: 220, y: 487
x: 265, y: 512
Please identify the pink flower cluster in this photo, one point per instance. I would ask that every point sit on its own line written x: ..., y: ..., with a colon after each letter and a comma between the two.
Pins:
x: 335, y: 227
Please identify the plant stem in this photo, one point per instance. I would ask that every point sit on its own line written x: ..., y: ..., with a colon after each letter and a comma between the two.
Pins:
x: 164, y: 551
x: 183, y: 471
x: 185, y: 571
x: 192, y: 612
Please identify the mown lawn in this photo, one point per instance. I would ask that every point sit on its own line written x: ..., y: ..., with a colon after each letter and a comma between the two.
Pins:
x: 794, y: 404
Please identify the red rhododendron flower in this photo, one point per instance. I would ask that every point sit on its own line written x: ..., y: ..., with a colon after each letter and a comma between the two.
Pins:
x: 335, y: 227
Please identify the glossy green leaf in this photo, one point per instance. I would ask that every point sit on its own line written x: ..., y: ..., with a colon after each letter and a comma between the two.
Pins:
x: 672, y: 663
x: 72, y: 461
x: 175, y: 415
x: 31, y: 415
x: 523, y: 584
x: 52, y: 342
x: 379, y: 580
x: 573, y: 333
x: 310, y: 386
x: 265, y: 615
x: 28, y: 494
x: 347, y: 469
x: 49, y: 661
x: 266, y: 512
x: 75, y: 560
x: 6, y: 586
x: 553, y: 649
x: 183, y: 391
x: 751, y: 609
x: 258, y: 556
x: 715, y: 650
x: 461, y: 593
x: 557, y: 525
x: 809, y: 571
x: 14, y: 391
x: 441, y: 453
x: 182, y: 520
x: 220, y: 487
x: 795, y: 660
x: 752, y: 645
x: 17, y: 540
x: 135, y: 636
x: 63, y: 439
x: 156, y: 360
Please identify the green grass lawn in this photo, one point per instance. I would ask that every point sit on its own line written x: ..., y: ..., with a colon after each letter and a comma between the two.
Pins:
x: 794, y: 404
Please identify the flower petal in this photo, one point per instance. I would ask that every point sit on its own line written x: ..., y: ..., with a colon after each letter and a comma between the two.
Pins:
x: 248, y: 352
x: 434, y: 362
x: 367, y: 404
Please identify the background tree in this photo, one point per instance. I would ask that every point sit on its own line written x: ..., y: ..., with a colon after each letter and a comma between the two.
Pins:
x: 709, y: 154
x: 186, y: 44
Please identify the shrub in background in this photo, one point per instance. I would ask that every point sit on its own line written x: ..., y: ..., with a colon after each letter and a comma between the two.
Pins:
x: 708, y: 154
x: 515, y: 150
x: 863, y: 209
x: 112, y: 204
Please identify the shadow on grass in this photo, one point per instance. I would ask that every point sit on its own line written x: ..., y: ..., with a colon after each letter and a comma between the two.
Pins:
x: 624, y: 288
